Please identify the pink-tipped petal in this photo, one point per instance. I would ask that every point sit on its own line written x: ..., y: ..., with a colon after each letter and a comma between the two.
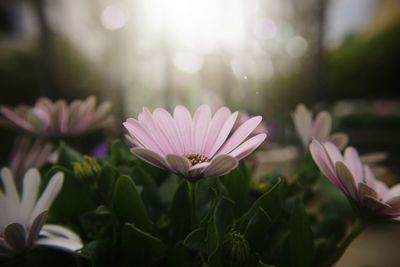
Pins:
x: 240, y: 135
x: 322, y: 126
x: 322, y: 160
x: 169, y: 128
x: 178, y: 164
x: 201, y: 120
x: 137, y: 131
x: 223, y: 134
x: 214, y: 128
x: 150, y: 157
x: 184, y: 123
x: 248, y: 147
x: 221, y: 165
x: 353, y: 162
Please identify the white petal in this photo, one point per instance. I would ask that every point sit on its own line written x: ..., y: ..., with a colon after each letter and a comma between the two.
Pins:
x: 31, y: 184
x: 11, y: 195
x: 53, y: 230
x: 61, y: 243
x: 49, y: 194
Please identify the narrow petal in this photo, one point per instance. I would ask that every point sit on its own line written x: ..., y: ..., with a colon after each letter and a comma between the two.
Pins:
x: 11, y: 195
x: 394, y: 191
x: 375, y: 204
x: 364, y: 190
x: 333, y: 152
x: 223, y: 134
x: 179, y: 164
x: 216, y: 124
x: 220, y: 165
x: 373, y: 158
x: 137, y: 131
x: 196, y: 171
x: 35, y: 227
x: 168, y: 126
x: 15, y: 236
x: 326, y: 166
x: 374, y: 183
x: 60, y: 243
x: 248, y: 147
x: 53, y: 230
x: 322, y: 126
x: 183, y: 121
x: 353, y: 162
x: 302, y: 119
x: 31, y: 184
x: 15, y: 118
x: 339, y: 139
x: 150, y: 157
x: 347, y: 179
x: 49, y: 195
x: 240, y: 135
x: 201, y: 120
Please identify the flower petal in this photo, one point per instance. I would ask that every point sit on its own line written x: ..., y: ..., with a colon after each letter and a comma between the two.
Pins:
x: 197, y: 170
x: 248, y: 147
x: 333, y: 152
x: 53, y: 230
x: 302, y: 119
x: 50, y: 193
x: 347, y: 179
x: 31, y: 184
x: 353, y: 162
x: 394, y: 191
x: 339, y: 139
x: 373, y: 158
x: 140, y: 134
x: 374, y: 183
x: 15, y: 236
x: 11, y: 195
x: 375, y: 204
x: 214, y: 129
x: 220, y: 165
x: 35, y: 227
x: 322, y: 126
x: 179, y: 164
x: 201, y: 120
x: 183, y: 121
x: 150, y: 157
x: 223, y: 134
x: 168, y: 126
x: 240, y: 135
x: 60, y: 243
x: 364, y: 190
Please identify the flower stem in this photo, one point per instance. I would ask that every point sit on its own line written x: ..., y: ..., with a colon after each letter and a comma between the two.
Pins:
x: 358, y: 228
x: 192, y: 186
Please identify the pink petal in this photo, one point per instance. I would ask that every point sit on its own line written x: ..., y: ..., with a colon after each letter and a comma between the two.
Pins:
x: 223, y: 134
x: 168, y: 126
x: 147, y: 121
x: 150, y: 157
x: 178, y: 164
x: 201, y: 120
x: 220, y: 165
x: 377, y: 185
x: 324, y: 163
x: 347, y: 179
x: 333, y: 152
x: 302, y: 119
x: 197, y: 170
x: 240, y: 135
x: 339, y: 139
x: 322, y: 126
x: 215, y: 127
x: 15, y: 118
x: 353, y: 162
x: 137, y: 131
x: 248, y: 146
x: 183, y: 121
x: 394, y: 191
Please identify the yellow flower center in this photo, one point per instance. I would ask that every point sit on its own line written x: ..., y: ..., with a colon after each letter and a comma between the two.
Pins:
x: 196, y: 158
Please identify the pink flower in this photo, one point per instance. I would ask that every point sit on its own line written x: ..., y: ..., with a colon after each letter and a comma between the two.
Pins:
x: 356, y: 180
x: 319, y: 129
x: 27, y: 154
x: 49, y: 118
x: 194, y: 148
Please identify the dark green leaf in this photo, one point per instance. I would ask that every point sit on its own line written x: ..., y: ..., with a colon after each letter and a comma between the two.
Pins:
x: 67, y: 155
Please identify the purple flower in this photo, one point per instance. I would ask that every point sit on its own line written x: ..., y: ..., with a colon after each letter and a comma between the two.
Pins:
x: 319, y: 129
x: 23, y: 215
x: 49, y: 118
x: 195, y: 147
x: 27, y: 154
x: 356, y: 180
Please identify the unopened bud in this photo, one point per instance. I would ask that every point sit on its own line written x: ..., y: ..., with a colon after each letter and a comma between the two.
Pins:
x: 87, y: 170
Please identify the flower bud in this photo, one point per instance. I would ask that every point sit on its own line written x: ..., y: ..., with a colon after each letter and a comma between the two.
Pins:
x: 236, y: 246
x: 87, y: 170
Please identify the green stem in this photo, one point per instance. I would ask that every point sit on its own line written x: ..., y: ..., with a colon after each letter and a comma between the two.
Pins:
x: 192, y: 186
x: 358, y: 228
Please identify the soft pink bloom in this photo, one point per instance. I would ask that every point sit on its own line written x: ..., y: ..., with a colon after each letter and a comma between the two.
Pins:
x: 47, y: 118
x: 356, y: 180
x: 320, y: 129
x: 201, y: 146
x: 27, y: 154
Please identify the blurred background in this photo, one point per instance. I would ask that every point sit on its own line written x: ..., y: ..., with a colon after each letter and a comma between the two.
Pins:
x: 262, y: 56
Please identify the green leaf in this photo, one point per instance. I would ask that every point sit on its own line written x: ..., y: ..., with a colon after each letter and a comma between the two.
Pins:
x: 67, y: 155
x: 271, y: 202
x: 129, y: 204
x: 98, y: 224
x: 100, y: 252
x: 301, y: 237
x: 139, y: 248
x: 180, y: 213
x: 196, y: 239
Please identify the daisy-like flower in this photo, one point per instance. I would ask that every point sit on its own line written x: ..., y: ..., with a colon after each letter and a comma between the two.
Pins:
x: 196, y: 147
x: 356, y: 180
x: 319, y: 129
x: 47, y: 118
x: 27, y: 154
x: 23, y: 216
